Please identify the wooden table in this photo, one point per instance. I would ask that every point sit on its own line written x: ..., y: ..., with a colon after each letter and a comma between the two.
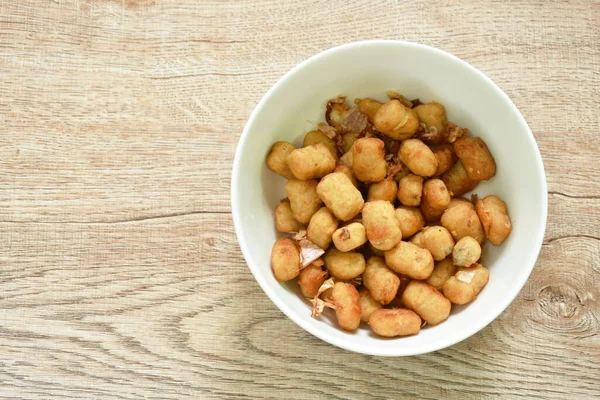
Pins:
x: 121, y: 277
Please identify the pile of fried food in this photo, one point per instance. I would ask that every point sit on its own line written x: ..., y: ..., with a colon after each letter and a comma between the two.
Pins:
x: 399, y: 259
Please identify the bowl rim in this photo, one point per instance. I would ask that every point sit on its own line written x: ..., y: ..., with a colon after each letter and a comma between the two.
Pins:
x: 383, y: 351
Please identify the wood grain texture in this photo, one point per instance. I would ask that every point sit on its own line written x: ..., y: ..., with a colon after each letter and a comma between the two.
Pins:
x: 120, y: 273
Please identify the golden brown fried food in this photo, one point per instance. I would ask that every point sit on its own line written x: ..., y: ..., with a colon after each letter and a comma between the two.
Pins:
x: 276, y: 159
x: 369, y: 107
x: 392, y: 150
x: 383, y: 228
x: 417, y: 239
x: 418, y: 157
x: 311, y: 162
x: 310, y: 280
x: 347, y: 306
x: 348, y: 140
x: 397, y: 302
x: 382, y: 283
x: 368, y: 304
x: 441, y: 273
x: 410, y: 190
x: 466, y: 284
x: 429, y: 213
x: 435, y: 194
x: 347, y: 158
x: 304, y: 200
x: 348, y: 172
x: 320, y: 228
x: 340, y: 196
x: 457, y: 180
x: 386, y: 190
x: 433, y: 115
x: 396, y: 121
x: 411, y: 220
x: 285, y: 260
x: 409, y: 259
x: 466, y: 252
x: 445, y: 156
x: 461, y: 220
x: 284, y: 218
x: 344, y: 266
x: 350, y: 237
x: 494, y: 217
x: 316, y: 137
x: 476, y: 158
x: 374, y: 251
x: 368, y: 161
x: 438, y: 241
x: 395, y: 322
x: 426, y: 301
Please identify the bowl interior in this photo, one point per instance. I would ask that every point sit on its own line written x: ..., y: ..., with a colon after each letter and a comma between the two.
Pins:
x: 368, y: 69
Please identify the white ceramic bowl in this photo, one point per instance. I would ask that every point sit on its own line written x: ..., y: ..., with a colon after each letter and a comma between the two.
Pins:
x: 368, y: 69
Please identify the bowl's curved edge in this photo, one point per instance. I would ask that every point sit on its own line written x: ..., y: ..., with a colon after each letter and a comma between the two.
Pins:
x: 538, y: 241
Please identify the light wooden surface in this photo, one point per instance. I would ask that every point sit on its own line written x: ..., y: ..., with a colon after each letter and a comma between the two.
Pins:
x: 120, y: 273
